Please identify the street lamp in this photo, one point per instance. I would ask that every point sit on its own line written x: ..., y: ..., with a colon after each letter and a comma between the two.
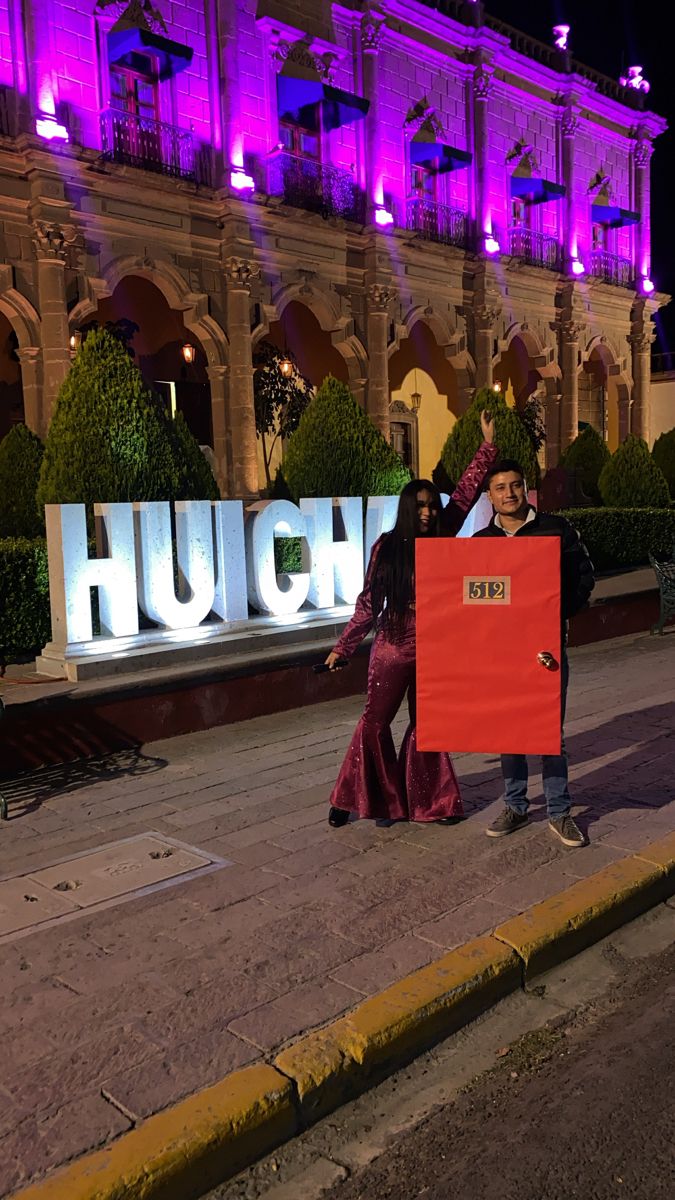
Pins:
x: 188, y: 351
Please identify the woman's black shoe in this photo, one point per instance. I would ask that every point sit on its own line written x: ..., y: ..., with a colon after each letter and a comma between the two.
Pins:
x: 337, y: 816
x: 450, y: 821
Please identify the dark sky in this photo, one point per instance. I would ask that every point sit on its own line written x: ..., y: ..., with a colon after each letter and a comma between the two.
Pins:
x: 611, y: 35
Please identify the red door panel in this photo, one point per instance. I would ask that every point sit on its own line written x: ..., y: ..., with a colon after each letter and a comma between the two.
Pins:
x: 486, y: 608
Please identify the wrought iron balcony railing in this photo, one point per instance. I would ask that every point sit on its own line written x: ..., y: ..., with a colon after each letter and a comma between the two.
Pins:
x: 152, y: 145
x: 313, y: 186
x: 436, y: 222
x: 611, y: 268
x: 535, y: 249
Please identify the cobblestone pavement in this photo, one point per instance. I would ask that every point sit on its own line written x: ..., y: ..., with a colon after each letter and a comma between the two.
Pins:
x: 117, y: 1013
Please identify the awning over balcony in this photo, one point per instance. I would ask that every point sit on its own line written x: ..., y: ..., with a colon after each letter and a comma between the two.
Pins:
x: 124, y: 45
x: 535, y: 190
x: 437, y: 156
x: 298, y: 100
x: 612, y: 216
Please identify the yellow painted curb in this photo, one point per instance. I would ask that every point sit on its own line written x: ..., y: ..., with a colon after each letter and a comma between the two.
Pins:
x: 661, y: 854
x: 564, y: 924
x: 181, y: 1153
x: 400, y: 1022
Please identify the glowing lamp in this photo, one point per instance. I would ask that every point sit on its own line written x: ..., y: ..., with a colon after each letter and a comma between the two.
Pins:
x: 578, y: 267
x: 49, y: 129
x: 383, y: 218
x: 241, y: 181
x: 75, y: 341
x: 647, y: 286
x: 416, y: 401
x: 286, y: 367
x: 188, y: 351
x: 491, y: 245
x: 497, y: 387
x: 560, y: 35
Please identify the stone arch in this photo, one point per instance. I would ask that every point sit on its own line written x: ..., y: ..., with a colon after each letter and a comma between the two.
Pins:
x: 19, y: 311
x: 525, y: 365
x: 326, y: 308
x: 605, y: 390
x: 22, y: 394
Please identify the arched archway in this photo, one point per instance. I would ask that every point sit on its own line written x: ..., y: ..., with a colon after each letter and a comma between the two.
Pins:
x: 422, y: 378
x: 20, y: 341
x: 11, y: 391
x: 604, y: 393
x: 157, y: 335
x: 515, y: 370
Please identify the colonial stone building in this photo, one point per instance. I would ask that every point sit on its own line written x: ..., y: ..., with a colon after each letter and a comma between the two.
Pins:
x: 405, y: 193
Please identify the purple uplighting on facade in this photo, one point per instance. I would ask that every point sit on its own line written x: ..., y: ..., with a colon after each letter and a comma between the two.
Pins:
x: 491, y: 245
x: 242, y: 182
x: 49, y: 129
x: 383, y: 218
x: 578, y: 267
x: 561, y: 33
x: 647, y: 286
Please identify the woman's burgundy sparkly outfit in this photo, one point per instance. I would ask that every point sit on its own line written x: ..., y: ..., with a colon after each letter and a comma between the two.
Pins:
x: 374, y: 781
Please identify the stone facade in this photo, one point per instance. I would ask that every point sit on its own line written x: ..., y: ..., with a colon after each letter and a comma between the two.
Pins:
x: 410, y: 195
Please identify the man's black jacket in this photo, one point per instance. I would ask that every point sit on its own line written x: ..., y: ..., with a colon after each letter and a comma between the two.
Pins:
x: 576, y: 568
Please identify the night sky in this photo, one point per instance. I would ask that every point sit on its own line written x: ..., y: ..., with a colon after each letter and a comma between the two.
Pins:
x: 612, y: 35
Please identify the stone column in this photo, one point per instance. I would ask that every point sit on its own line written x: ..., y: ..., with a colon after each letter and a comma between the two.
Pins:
x: 484, y: 320
x: 371, y: 37
x: 625, y: 405
x: 243, y: 481
x: 50, y: 251
x: 640, y: 344
x: 552, y: 406
x: 29, y: 357
x: 568, y: 128
x: 569, y: 365
x: 482, y: 85
x: 641, y: 159
x: 218, y: 385
x: 377, y: 406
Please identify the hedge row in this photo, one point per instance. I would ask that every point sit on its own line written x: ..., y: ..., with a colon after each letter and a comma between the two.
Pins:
x: 24, y: 596
x: 624, y: 537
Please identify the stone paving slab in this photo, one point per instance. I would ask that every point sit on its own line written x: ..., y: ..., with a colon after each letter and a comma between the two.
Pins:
x: 114, y: 1014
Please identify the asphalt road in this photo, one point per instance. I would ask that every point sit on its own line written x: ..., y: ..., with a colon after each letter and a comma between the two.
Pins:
x: 586, y: 1110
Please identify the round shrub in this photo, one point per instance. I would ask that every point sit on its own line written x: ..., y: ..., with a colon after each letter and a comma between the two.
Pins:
x: 511, y: 437
x: 663, y: 453
x: 624, y: 537
x: 337, y: 451
x: 631, y: 478
x: 25, y: 624
x: 587, y: 455
x: 20, y: 459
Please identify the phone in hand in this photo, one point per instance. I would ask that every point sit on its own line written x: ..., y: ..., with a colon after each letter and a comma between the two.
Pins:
x: 320, y: 668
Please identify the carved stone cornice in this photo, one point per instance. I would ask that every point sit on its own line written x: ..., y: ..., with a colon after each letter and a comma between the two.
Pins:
x: 570, y: 331
x: 322, y: 63
x: 240, y: 272
x: 50, y: 241
x: 372, y: 32
x: 380, y: 297
x: 569, y: 123
x: 641, y: 342
x: 486, y: 315
x: 643, y: 152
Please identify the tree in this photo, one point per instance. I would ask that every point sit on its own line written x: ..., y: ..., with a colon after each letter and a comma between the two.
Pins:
x: 279, y: 401
x: 20, y: 459
x: 631, y: 478
x: 195, y: 477
x: 663, y: 453
x: 534, y: 422
x: 511, y: 437
x: 587, y: 455
x: 337, y: 451
x: 110, y: 438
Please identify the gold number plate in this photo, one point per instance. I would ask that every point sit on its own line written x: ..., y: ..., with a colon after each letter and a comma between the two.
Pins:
x: 487, y: 589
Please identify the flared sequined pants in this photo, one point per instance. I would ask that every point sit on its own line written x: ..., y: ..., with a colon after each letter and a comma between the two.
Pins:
x: 376, y: 782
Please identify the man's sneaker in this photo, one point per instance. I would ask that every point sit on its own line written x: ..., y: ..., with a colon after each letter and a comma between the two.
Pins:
x: 568, y: 831
x: 507, y: 822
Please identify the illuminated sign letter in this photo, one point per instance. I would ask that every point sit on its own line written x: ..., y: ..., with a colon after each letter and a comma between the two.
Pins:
x: 72, y: 573
x: 194, y: 552
x: 267, y: 591
x: 230, y: 602
x: 380, y: 518
x: 337, y: 567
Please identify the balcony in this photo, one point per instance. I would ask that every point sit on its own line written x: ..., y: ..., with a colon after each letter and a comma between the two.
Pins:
x: 534, y: 249
x: 436, y: 222
x: 152, y: 145
x: 314, y: 186
x: 611, y: 268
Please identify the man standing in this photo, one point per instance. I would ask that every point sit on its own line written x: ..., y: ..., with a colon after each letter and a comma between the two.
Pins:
x: 514, y: 517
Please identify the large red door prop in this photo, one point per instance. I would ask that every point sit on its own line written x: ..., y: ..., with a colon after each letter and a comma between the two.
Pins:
x: 487, y: 608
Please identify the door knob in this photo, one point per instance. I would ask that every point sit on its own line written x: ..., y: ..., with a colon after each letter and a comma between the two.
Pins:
x: 547, y: 660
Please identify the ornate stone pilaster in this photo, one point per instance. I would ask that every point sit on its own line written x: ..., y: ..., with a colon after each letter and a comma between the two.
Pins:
x: 217, y: 375
x: 372, y: 29
x: 552, y: 410
x: 640, y: 344
x: 482, y: 88
x: 642, y: 154
x: 569, y: 331
x: 243, y: 477
x: 569, y: 124
x: 51, y: 243
x: 380, y: 297
x: 34, y: 416
x: 485, y: 317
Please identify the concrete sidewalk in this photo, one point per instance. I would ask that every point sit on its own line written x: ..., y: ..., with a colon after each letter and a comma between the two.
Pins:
x: 112, y: 1013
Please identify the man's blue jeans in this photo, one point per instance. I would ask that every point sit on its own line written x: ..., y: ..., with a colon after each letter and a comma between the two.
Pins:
x: 554, y: 768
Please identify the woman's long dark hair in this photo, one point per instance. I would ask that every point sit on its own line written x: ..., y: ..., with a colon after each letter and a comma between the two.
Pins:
x: 393, y: 586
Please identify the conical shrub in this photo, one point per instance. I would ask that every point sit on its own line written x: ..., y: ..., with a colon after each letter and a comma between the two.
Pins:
x: 511, y: 437
x: 663, y: 453
x: 20, y: 460
x: 337, y: 451
x: 587, y: 455
x: 631, y: 478
x: 195, y: 477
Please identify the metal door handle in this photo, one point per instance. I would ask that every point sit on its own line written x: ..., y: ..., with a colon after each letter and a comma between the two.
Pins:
x: 547, y: 660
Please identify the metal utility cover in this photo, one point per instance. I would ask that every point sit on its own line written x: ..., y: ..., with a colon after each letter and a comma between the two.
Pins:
x: 24, y: 903
x: 125, y: 867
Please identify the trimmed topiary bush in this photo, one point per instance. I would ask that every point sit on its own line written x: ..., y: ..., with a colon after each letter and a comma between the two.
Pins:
x: 20, y: 460
x: 337, y: 451
x: 25, y: 623
x: 587, y: 455
x: 511, y: 437
x: 631, y: 478
x: 624, y: 537
x: 663, y: 453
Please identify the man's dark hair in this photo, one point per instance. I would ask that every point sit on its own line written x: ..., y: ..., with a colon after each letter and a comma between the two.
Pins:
x: 505, y: 464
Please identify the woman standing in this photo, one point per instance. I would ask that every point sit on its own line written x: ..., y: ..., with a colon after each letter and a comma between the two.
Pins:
x: 373, y: 781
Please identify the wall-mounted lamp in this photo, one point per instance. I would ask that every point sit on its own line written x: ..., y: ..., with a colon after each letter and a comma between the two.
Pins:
x: 578, y: 267
x: 188, y: 351
x: 647, y: 286
x: 242, y: 182
x: 383, y: 218
x: 491, y: 245
x: 497, y: 387
x: 286, y: 367
x: 75, y: 341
